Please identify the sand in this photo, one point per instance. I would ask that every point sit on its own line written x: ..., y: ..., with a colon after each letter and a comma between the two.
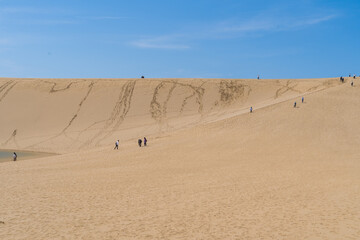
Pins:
x: 211, y: 169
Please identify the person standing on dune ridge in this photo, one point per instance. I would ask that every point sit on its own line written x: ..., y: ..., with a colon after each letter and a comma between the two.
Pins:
x: 14, y: 156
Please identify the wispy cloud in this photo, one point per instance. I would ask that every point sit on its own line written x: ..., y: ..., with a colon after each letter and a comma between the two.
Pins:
x: 37, y: 16
x: 163, y: 42
x: 316, y: 20
x: 16, y: 10
x: 275, y: 24
x: 45, y: 22
x: 107, y: 18
x: 32, y: 10
x: 230, y: 29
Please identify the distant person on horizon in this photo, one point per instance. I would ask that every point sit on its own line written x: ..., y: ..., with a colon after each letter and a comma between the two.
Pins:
x: 116, y: 145
x: 139, y: 142
x: 354, y: 76
x: 251, y: 109
x: 258, y: 77
x: 14, y: 156
x: 145, y: 141
x: 302, y: 100
x: 294, y: 104
x: 142, y: 77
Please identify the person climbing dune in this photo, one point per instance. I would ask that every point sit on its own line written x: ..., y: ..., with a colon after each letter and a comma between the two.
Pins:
x: 116, y: 145
x: 145, y: 141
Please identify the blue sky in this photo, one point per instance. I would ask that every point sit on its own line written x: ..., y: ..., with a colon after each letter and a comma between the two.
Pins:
x: 179, y: 38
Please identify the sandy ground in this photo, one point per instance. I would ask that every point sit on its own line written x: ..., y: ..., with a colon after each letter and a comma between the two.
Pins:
x: 211, y: 170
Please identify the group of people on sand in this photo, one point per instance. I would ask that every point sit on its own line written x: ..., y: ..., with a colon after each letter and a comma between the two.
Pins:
x: 352, y: 82
x: 140, y: 142
x: 342, y: 79
x: 302, y: 101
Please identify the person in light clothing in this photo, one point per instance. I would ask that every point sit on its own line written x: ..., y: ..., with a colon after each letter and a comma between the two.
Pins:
x: 116, y: 145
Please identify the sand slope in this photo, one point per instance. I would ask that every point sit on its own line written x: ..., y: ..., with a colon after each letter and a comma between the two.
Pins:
x: 65, y: 115
x: 214, y: 173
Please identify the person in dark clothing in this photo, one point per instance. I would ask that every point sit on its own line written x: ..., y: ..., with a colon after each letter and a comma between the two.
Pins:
x: 352, y: 83
x: 142, y: 77
x: 294, y: 104
x: 145, y: 141
x: 251, y: 109
x: 139, y: 142
x: 302, y: 100
x: 14, y: 156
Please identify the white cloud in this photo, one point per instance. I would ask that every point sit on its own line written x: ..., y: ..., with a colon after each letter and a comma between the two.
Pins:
x: 312, y: 21
x: 163, y: 42
x: 275, y: 24
x: 15, y: 10
x: 107, y: 18
x: 260, y: 24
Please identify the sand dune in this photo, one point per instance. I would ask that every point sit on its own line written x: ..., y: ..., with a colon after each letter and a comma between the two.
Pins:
x: 211, y: 170
x: 66, y: 115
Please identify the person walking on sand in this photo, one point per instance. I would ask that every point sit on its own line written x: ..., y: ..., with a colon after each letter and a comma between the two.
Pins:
x: 139, y: 142
x: 302, y: 100
x: 116, y: 145
x: 251, y: 109
x: 294, y: 104
x: 352, y: 83
x: 145, y: 141
x: 14, y: 156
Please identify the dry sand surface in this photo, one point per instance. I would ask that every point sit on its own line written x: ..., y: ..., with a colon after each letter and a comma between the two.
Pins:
x: 212, y: 170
